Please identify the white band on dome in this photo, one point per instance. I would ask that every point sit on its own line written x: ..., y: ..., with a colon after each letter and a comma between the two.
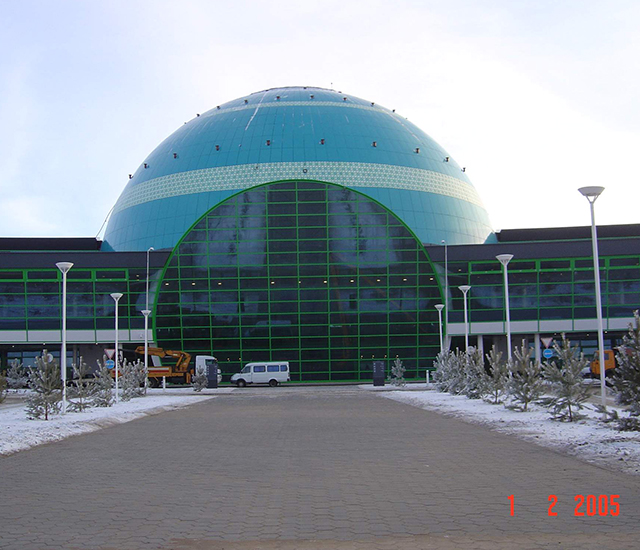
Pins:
x: 348, y: 174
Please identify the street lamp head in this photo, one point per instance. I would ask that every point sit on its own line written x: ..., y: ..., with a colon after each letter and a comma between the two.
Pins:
x: 64, y: 266
x: 116, y: 296
x: 439, y: 307
x: 146, y: 312
x: 464, y: 288
x: 150, y: 249
x: 504, y: 259
x: 592, y: 192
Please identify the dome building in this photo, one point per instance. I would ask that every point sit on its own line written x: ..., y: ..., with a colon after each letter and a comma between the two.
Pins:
x: 296, y: 218
x: 297, y: 133
x: 305, y: 225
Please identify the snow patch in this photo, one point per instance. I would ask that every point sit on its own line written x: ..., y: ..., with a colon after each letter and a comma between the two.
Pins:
x: 588, y: 439
x: 18, y: 433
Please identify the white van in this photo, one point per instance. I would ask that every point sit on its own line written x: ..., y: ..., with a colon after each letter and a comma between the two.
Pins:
x: 271, y: 373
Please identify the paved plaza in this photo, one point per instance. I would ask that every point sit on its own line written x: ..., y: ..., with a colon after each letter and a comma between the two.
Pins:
x: 310, y: 469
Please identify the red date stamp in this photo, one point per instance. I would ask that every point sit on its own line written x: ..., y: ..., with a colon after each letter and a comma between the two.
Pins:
x: 585, y: 505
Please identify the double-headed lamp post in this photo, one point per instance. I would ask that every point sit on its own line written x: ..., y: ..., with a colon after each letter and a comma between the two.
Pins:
x: 440, y: 307
x: 465, y: 289
x: 64, y: 267
x: 592, y: 193
x: 116, y: 297
x: 504, y: 259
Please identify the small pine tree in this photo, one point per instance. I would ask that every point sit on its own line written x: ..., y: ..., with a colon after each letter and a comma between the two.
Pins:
x: 457, y: 374
x: 81, y: 391
x: 17, y: 375
x: 132, y: 380
x: 46, y: 388
x: 526, y: 384
x: 443, y: 365
x: 103, y: 393
x: 397, y: 373
x: 3, y: 387
x: 497, y: 382
x: 626, y: 377
x: 200, y: 380
x: 474, y: 385
x: 566, y: 382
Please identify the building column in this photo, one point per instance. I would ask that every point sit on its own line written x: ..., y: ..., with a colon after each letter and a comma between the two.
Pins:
x: 536, y: 346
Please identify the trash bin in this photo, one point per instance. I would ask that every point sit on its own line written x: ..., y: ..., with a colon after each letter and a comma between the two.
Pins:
x: 212, y: 374
x: 378, y: 373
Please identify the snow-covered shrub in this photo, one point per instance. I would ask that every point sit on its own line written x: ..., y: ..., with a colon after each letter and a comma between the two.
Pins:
x: 474, y: 383
x: 103, y: 392
x: 3, y: 387
x: 443, y: 368
x: 526, y: 384
x: 449, y: 375
x: 200, y: 381
x: 17, y: 375
x: 132, y: 380
x: 498, y: 381
x: 626, y: 377
x: 46, y: 388
x: 566, y: 382
x: 82, y: 388
x: 396, y: 378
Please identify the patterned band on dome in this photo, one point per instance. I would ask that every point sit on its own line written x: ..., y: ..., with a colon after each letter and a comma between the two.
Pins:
x: 348, y: 174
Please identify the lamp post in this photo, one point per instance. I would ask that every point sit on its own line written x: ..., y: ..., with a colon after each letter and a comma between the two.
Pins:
x: 446, y: 289
x: 465, y: 289
x: 504, y: 259
x: 147, y: 293
x: 440, y: 307
x: 116, y: 297
x: 146, y: 312
x: 592, y: 193
x: 64, y: 268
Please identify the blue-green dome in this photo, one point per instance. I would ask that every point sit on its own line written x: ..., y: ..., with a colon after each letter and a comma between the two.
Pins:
x: 296, y: 133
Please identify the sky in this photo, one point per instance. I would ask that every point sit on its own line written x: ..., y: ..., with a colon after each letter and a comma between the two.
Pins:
x: 534, y: 98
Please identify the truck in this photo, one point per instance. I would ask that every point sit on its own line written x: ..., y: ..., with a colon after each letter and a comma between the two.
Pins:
x: 179, y: 373
x: 609, y: 363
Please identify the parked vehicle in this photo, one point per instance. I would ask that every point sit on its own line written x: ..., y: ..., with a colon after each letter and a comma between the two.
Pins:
x: 609, y: 363
x: 272, y: 373
x: 181, y: 372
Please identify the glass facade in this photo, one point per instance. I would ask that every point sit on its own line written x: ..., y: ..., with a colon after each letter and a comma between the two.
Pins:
x: 545, y: 289
x: 307, y: 272
x: 32, y: 299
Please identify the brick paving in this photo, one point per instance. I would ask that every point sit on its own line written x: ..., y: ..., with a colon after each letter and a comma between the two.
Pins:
x: 304, y: 469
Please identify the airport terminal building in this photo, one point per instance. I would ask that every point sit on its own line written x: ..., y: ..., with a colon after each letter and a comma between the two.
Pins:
x: 307, y: 225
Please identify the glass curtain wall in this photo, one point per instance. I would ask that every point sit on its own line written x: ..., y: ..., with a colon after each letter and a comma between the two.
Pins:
x: 311, y: 273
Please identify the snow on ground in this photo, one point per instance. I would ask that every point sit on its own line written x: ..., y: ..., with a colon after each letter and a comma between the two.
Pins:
x: 18, y: 433
x: 588, y: 439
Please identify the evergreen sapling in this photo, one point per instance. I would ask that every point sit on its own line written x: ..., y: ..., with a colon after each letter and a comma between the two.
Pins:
x: 82, y: 388
x: 498, y: 381
x: 46, y: 388
x: 526, y: 384
x: 443, y: 372
x: 397, y: 373
x: 626, y: 377
x: 474, y: 385
x: 565, y: 380
x: 200, y: 380
x: 103, y: 392
x: 3, y: 387
x: 17, y: 375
